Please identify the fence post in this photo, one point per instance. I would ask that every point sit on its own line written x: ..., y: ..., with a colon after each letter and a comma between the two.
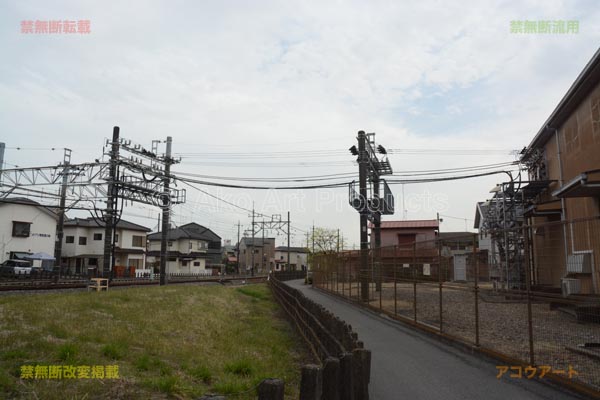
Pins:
x: 331, y: 379
x: 311, y: 382
x: 346, y: 383
x: 362, y: 373
x: 440, y: 282
x: 528, y: 288
x: 476, y: 261
x: 380, y: 267
x: 395, y: 285
x: 271, y: 389
x: 414, y: 271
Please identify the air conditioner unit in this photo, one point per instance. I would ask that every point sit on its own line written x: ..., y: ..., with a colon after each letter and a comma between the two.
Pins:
x: 570, y: 286
x: 579, y: 263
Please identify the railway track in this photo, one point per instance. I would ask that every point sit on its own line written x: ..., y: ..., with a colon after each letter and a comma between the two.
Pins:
x: 49, y: 284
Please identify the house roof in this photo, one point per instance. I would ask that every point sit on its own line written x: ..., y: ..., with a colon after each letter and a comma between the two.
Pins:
x: 292, y: 249
x: 583, y: 85
x: 93, y: 223
x: 28, y: 202
x: 188, y: 231
x: 410, y: 224
x: 480, y: 212
x: 256, y: 242
x: 465, y: 237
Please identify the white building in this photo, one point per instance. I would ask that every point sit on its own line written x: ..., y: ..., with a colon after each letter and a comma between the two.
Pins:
x: 298, y: 258
x: 187, y: 249
x: 83, y: 245
x: 485, y: 240
x: 26, y: 227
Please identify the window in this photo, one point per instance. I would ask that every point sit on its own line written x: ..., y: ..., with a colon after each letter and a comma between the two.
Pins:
x: 136, y: 241
x: 172, y: 259
x: 82, y: 240
x: 21, y: 229
x: 116, y: 237
x: 196, y: 263
x: 183, y: 263
x: 92, y: 261
x: 69, y: 239
x: 191, y: 244
x: 97, y: 236
x: 170, y: 244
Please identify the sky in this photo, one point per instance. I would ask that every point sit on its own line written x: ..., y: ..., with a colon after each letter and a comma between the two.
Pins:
x: 280, y: 89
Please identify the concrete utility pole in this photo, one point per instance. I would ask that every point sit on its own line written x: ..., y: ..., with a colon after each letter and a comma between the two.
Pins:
x: 377, y: 229
x: 238, y: 249
x: 166, y: 206
x: 110, y: 212
x: 363, y: 159
x: 252, y: 267
x: 262, y: 252
x: 61, y: 211
x: 2, y: 147
x: 288, y: 237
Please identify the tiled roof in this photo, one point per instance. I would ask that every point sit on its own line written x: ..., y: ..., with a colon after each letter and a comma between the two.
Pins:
x: 410, y: 224
x: 92, y: 223
x: 189, y: 231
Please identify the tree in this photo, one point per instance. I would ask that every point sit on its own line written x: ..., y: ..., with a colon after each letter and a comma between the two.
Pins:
x: 325, y: 240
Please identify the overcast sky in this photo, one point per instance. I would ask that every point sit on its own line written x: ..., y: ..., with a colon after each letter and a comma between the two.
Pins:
x: 282, y: 77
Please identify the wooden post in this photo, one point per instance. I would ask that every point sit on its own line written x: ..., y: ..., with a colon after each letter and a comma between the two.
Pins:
x: 346, y: 377
x: 362, y: 373
x: 271, y: 389
x: 331, y: 377
x: 311, y: 383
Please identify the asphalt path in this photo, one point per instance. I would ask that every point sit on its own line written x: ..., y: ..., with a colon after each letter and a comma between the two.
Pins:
x: 409, y: 364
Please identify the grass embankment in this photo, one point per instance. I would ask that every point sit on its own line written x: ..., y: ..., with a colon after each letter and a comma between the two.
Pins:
x: 169, y: 342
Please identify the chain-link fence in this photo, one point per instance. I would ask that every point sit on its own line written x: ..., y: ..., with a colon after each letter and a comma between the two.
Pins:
x: 535, y: 304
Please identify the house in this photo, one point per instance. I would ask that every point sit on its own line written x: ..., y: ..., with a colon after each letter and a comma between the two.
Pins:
x: 26, y: 227
x: 485, y: 241
x: 298, y: 258
x: 404, y: 233
x: 258, y: 250
x: 229, y: 257
x: 458, y: 248
x: 189, y: 250
x: 83, y: 246
x: 564, y: 172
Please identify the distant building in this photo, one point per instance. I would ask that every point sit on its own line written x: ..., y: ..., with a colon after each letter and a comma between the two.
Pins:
x: 404, y: 233
x: 298, y: 258
x: 26, y: 227
x: 192, y: 249
x: 486, y: 243
x: 83, y: 246
x: 264, y: 254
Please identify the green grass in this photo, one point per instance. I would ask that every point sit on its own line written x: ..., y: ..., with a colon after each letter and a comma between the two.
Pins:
x: 168, y: 342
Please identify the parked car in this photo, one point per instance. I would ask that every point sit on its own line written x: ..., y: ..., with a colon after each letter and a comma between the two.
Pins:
x: 16, y: 267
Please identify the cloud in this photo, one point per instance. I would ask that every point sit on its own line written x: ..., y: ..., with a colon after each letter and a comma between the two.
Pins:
x: 272, y: 76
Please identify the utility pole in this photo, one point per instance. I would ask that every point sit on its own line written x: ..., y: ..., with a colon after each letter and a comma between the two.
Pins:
x: 166, y: 209
x: 338, y: 241
x: 61, y: 211
x: 262, y: 260
x: 238, y: 249
x: 2, y: 147
x: 252, y: 267
x: 377, y: 229
x: 109, y: 214
x: 288, y: 246
x: 363, y: 159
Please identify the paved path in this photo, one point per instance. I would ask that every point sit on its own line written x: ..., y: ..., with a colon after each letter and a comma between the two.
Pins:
x: 407, y: 364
